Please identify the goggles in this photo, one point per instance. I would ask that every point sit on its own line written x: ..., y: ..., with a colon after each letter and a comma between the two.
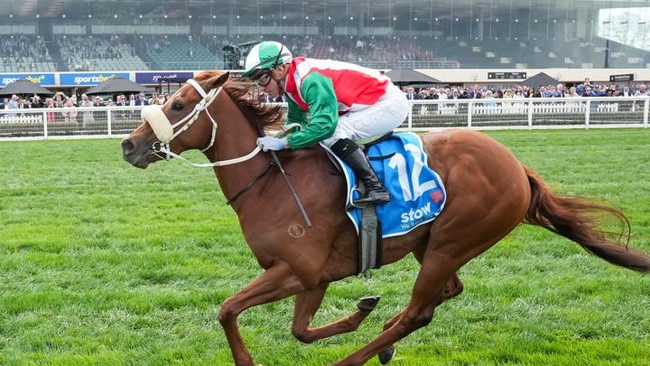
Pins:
x: 263, y: 78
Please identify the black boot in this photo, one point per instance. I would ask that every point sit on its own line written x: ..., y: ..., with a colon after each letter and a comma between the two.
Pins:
x: 350, y: 152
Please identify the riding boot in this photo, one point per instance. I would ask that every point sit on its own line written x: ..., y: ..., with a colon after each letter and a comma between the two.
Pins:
x: 350, y: 152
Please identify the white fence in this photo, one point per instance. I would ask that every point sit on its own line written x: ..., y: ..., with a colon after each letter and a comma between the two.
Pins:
x: 529, y: 113
x: 47, y: 123
x: 425, y: 115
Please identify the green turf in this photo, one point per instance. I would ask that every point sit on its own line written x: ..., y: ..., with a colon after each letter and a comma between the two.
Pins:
x: 105, y: 264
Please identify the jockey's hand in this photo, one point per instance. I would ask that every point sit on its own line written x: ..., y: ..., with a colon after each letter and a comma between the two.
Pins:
x: 267, y: 143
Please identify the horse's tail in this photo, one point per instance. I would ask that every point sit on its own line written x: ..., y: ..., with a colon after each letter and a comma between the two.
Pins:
x: 579, y: 220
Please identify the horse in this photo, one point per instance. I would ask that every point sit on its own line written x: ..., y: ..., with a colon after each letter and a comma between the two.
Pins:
x: 489, y: 193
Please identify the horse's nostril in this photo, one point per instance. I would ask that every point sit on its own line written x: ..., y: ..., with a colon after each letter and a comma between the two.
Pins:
x: 127, y: 146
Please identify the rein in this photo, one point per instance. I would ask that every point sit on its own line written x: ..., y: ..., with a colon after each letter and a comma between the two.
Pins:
x: 164, y: 129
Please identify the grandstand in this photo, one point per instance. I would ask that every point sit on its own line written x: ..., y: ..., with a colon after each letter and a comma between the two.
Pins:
x: 80, y: 35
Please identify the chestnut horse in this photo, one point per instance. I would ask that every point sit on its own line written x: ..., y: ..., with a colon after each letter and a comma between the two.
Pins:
x: 489, y: 193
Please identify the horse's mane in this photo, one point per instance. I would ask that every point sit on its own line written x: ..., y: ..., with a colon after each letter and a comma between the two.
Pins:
x: 260, y: 115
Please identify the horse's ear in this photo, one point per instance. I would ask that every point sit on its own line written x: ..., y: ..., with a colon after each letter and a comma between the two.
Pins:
x: 217, y: 81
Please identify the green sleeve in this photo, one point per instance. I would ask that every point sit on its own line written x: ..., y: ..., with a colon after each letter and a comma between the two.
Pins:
x: 295, y: 114
x: 318, y: 92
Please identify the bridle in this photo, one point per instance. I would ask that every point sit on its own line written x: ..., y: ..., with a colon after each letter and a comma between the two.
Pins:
x: 164, y: 129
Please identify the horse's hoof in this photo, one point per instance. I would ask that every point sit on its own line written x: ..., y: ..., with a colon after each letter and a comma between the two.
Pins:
x: 386, y: 355
x: 368, y: 303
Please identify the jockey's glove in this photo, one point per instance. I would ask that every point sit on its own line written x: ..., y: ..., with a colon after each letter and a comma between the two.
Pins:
x: 267, y: 143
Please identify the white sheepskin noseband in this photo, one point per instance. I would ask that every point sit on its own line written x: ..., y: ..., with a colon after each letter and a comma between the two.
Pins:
x: 159, y: 123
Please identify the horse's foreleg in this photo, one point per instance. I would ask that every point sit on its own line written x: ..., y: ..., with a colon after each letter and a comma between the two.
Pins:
x: 277, y: 282
x: 308, y: 303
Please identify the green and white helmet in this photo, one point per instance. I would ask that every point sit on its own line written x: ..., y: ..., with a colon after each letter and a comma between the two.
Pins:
x: 266, y: 55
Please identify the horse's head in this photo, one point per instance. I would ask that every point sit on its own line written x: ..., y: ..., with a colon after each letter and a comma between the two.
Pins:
x: 172, y: 127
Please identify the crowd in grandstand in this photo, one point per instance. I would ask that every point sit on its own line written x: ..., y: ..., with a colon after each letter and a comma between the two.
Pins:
x: 21, y: 53
x: 24, y: 53
x: 112, y: 52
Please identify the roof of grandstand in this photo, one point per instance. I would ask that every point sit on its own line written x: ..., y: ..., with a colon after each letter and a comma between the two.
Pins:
x: 296, y: 10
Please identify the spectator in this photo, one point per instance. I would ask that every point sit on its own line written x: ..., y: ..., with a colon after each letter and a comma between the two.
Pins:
x: 489, y: 102
x: 87, y: 115
x: 411, y: 94
x: 518, y: 103
x: 519, y: 94
x: 475, y: 92
x: 627, y: 105
x: 641, y: 91
x: 37, y: 102
x: 59, y: 99
x: 559, y: 91
x: 51, y: 115
x: 154, y: 96
x: 599, y: 91
x: 507, y: 101
x: 142, y: 100
x: 121, y: 101
x: 13, y: 105
x: 24, y: 103
x: 424, y: 94
x: 70, y: 114
x: 626, y: 92
x: 542, y: 92
x: 573, y: 93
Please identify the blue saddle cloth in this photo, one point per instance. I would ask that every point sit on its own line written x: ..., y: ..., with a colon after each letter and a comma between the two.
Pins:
x: 418, y: 195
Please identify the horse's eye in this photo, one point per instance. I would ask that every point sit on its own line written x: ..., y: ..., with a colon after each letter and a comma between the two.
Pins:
x: 177, y: 106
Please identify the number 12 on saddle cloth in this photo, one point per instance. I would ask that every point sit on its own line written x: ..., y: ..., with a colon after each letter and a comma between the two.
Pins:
x: 418, y: 195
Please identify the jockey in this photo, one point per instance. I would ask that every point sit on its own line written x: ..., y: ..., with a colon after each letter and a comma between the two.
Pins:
x: 345, y: 103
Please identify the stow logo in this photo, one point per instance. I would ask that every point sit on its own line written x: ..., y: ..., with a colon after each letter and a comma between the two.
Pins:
x: 33, y: 79
x: 413, y: 216
x: 92, y: 79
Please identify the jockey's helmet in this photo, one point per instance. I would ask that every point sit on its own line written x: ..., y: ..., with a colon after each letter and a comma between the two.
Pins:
x: 265, y: 55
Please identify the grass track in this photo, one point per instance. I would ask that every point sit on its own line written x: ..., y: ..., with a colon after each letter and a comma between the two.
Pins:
x: 105, y: 264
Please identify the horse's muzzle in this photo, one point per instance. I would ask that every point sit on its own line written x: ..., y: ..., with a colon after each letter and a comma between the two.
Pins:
x: 138, y: 155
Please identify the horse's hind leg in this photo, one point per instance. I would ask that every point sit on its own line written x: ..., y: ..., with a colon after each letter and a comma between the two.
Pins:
x: 429, y: 291
x: 308, y: 303
x: 453, y: 288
